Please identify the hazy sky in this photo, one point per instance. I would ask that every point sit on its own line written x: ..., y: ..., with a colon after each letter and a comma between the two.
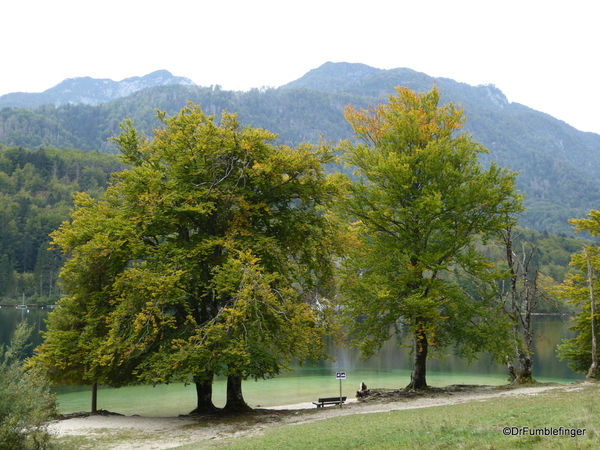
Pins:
x: 541, y: 53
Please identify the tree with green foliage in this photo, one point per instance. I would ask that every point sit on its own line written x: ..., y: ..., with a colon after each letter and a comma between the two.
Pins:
x: 26, y: 402
x: 206, y: 257
x: 420, y: 204
x: 580, y: 289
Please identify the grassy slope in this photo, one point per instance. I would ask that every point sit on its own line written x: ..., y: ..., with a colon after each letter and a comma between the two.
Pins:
x: 473, y: 425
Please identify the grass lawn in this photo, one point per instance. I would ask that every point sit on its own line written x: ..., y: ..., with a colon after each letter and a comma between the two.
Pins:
x: 473, y: 425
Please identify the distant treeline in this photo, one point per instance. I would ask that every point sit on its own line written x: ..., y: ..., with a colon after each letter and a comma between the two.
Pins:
x: 36, y: 190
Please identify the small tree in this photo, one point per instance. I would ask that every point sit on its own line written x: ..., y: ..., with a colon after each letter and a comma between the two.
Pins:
x: 420, y: 203
x: 579, y: 288
x: 26, y: 403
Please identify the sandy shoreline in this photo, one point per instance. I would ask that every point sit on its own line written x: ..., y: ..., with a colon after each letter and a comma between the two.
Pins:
x: 157, y: 433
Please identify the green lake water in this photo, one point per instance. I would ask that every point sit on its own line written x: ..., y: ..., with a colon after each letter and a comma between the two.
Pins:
x: 389, y: 369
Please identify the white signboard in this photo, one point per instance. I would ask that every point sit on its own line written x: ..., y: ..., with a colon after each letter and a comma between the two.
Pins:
x: 340, y: 375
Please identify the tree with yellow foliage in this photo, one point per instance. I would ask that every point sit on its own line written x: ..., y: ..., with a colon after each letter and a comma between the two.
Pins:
x: 580, y: 289
x: 220, y: 247
x: 420, y: 203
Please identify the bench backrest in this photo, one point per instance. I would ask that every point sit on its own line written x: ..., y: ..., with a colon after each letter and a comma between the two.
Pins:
x: 331, y: 399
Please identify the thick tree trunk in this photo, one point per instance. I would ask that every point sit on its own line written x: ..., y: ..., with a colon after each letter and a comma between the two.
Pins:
x: 526, y: 354
x: 512, y: 373
x: 525, y: 373
x: 235, y: 399
x: 204, y: 404
x: 419, y: 371
x: 94, y: 398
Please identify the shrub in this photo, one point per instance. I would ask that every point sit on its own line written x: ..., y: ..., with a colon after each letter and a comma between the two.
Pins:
x: 26, y: 402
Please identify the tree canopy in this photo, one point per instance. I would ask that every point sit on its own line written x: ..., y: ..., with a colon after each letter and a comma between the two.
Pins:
x: 420, y: 204
x: 206, y: 257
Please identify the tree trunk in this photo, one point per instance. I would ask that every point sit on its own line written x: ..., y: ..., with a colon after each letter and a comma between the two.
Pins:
x: 525, y: 372
x: 594, y: 366
x: 526, y: 354
x: 512, y: 373
x: 419, y: 371
x: 204, y: 403
x: 235, y: 399
x: 94, y: 398
x: 515, y: 313
x: 524, y: 298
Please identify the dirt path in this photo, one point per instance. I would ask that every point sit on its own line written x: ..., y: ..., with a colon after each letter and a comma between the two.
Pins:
x: 157, y: 433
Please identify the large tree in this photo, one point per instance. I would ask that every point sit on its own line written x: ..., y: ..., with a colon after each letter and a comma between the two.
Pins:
x: 222, y: 248
x: 420, y: 204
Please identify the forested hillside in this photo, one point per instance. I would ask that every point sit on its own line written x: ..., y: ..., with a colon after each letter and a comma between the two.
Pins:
x: 557, y: 163
x: 36, y: 189
x: 296, y: 115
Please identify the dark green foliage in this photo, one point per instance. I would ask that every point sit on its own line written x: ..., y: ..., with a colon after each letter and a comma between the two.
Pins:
x: 26, y: 403
x: 36, y: 190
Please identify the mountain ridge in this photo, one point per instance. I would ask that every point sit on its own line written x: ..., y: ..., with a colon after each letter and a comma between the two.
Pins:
x: 557, y: 164
x: 91, y: 91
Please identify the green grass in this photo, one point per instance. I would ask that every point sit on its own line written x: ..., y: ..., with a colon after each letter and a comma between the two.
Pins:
x: 472, y: 425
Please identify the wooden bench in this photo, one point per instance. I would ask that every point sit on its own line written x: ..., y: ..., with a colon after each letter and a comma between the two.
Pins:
x: 329, y: 401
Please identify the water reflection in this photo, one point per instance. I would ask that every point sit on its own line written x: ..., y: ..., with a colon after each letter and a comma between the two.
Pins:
x: 549, y: 332
x: 390, y: 368
x: 10, y: 316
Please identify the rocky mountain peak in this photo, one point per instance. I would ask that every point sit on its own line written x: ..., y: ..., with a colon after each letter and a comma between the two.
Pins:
x: 91, y: 91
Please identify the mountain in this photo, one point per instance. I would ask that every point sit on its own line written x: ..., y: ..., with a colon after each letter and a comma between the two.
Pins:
x: 91, y: 91
x: 558, y: 164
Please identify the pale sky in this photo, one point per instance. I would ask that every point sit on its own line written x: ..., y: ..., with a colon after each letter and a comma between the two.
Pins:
x: 541, y: 53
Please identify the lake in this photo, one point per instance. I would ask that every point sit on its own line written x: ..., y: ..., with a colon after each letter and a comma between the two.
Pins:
x: 389, y: 369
